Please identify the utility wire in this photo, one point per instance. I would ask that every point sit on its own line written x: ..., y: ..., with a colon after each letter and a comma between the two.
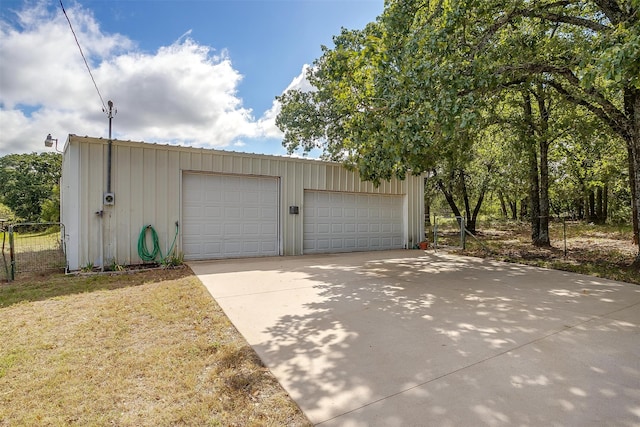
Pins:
x: 104, y: 107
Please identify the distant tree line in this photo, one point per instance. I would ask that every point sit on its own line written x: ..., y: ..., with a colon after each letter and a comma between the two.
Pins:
x: 29, y: 187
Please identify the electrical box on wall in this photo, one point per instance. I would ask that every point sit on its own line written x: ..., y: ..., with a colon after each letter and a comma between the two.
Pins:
x: 294, y: 210
x: 109, y: 199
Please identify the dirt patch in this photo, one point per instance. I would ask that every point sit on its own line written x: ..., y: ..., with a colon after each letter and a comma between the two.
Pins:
x: 602, y: 251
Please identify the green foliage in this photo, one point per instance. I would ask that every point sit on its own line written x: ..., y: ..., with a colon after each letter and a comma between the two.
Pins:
x: 88, y: 267
x: 6, y: 213
x: 50, y: 208
x: 173, y: 260
x: 27, y: 181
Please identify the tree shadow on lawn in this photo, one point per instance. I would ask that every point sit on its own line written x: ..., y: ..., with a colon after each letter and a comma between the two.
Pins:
x: 45, y: 285
x: 441, y: 339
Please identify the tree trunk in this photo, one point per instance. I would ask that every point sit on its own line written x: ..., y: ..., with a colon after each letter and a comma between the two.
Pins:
x: 476, y: 211
x: 591, y: 203
x: 427, y: 202
x: 580, y: 208
x: 543, y: 109
x: 543, y: 235
x: 467, y: 205
x: 632, y: 110
x: 636, y: 199
x: 605, y: 204
x: 599, y: 215
x: 534, y: 185
x: 448, y: 195
x: 514, y: 209
x: 503, y: 205
x: 634, y: 196
x: 534, y: 198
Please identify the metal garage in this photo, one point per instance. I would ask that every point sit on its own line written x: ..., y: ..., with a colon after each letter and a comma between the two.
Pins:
x: 227, y: 204
x: 345, y: 222
x: 229, y: 216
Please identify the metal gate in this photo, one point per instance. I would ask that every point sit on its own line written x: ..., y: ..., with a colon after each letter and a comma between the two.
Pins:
x: 32, y: 248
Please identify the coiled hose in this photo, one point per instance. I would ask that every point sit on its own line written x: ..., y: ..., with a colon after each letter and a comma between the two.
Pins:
x: 143, y: 250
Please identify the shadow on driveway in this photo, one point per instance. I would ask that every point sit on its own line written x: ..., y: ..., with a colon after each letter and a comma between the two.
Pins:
x: 412, y: 338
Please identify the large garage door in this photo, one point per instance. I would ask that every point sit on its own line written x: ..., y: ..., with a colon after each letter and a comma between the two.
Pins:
x: 229, y: 216
x: 344, y: 222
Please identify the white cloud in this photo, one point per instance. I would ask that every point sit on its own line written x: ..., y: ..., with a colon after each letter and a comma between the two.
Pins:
x: 184, y: 93
x: 267, y: 123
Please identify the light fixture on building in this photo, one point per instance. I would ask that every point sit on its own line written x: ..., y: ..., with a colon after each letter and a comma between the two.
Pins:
x: 49, y: 142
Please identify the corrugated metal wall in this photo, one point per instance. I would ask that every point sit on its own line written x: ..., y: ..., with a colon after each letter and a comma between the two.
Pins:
x: 146, y: 180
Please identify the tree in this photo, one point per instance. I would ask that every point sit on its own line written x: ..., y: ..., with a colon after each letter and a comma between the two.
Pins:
x: 587, y: 51
x: 27, y: 181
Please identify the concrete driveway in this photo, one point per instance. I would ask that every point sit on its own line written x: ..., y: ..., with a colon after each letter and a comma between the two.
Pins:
x: 408, y: 338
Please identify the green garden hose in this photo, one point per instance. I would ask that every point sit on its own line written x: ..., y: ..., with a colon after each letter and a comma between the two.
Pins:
x: 143, y: 251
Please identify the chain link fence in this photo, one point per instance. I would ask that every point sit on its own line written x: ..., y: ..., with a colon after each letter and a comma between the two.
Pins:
x: 32, y: 248
x: 446, y: 231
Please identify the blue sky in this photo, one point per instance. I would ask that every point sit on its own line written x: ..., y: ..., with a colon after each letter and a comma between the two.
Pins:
x: 202, y: 73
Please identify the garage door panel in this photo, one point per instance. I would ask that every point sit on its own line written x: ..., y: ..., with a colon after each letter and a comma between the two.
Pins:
x: 339, y: 222
x: 268, y: 229
x: 323, y: 228
x: 251, y: 213
x: 210, y: 229
x: 269, y: 213
x: 268, y: 246
x: 212, y: 196
x: 229, y: 216
x: 232, y: 247
x: 249, y: 229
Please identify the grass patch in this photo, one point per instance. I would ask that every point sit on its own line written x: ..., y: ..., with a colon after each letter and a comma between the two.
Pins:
x: 144, y: 349
x: 605, y: 251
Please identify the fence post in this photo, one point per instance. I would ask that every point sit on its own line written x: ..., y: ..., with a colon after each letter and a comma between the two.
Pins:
x: 564, y: 234
x: 435, y: 232
x: 463, y: 233
x: 12, y: 256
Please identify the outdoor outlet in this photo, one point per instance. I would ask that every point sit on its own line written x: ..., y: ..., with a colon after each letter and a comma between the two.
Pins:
x: 109, y: 199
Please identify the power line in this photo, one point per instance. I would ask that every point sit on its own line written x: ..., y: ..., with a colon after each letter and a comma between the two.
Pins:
x: 104, y: 107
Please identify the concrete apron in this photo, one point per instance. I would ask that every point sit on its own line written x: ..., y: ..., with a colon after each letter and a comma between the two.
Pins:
x: 408, y: 338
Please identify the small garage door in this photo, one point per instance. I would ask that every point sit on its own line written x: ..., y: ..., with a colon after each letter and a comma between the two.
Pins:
x: 228, y: 216
x: 345, y: 222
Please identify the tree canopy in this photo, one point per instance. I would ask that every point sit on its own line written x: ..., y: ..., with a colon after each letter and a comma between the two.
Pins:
x: 27, y: 181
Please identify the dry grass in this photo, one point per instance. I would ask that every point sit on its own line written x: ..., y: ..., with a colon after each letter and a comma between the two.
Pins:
x: 597, y: 250
x: 145, y: 349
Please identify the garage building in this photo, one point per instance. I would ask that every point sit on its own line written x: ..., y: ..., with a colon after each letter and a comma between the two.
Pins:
x: 225, y: 204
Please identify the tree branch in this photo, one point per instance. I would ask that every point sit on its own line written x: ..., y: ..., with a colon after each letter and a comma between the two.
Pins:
x: 541, y: 12
x: 615, y: 116
x: 572, y: 20
x: 598, y: 111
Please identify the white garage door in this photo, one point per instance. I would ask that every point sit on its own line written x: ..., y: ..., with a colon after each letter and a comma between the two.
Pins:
x: 345, y: 222
x: 229, y: 216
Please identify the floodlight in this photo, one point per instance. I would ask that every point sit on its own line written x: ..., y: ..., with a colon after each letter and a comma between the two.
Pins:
x: 49, y: 141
